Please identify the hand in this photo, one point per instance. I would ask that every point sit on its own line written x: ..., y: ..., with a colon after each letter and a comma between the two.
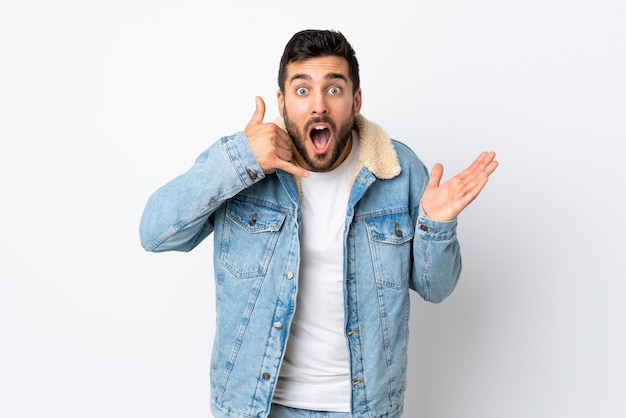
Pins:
x: 445, y: 202
x: 271, y: 145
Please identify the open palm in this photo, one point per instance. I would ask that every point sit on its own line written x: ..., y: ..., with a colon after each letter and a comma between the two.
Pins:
x: 444, y: 202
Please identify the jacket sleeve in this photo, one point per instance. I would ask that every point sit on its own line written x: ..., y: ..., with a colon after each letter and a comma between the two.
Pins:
x: 177, y: 216
x: 437, y: 258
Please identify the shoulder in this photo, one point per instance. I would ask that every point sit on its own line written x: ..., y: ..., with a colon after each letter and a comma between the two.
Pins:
x: 407, y: 157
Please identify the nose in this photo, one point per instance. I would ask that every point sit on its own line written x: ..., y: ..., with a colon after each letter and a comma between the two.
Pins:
x: 318, y: 104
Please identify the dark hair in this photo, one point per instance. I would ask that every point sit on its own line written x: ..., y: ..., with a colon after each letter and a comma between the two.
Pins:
x: 318, y: 43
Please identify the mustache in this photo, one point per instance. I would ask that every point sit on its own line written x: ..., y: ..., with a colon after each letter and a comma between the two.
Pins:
x: 319, y: 119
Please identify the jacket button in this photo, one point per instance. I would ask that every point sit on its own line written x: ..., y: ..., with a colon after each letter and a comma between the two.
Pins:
x: 252, y: 174
x: 289, y: 275
x: 265, y: 376
x: 278, y: 325
x: 398, y: 231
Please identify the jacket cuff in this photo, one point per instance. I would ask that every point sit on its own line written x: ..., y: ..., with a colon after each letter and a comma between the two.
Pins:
x: 436, y: 230
x: 242, y: 157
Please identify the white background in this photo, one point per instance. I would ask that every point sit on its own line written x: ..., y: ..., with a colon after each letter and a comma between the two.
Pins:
x: 102, y: 102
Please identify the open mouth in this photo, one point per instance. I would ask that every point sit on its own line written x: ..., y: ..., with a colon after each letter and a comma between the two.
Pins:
x: 320, y: 137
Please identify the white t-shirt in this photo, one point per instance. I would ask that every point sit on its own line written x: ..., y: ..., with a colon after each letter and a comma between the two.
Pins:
x: 315, y: 373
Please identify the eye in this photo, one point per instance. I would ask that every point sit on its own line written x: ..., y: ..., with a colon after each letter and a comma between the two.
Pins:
x: 301, y: 91
x: 334, y: 90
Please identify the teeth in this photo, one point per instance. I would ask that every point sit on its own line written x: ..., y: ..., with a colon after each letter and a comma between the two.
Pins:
x: 319, y: 128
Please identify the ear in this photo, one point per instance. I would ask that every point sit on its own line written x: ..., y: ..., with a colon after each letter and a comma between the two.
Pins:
x: 280, y: 99
x: 357, y: 102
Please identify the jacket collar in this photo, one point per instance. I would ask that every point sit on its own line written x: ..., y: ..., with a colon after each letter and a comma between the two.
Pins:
x: 377, y: 152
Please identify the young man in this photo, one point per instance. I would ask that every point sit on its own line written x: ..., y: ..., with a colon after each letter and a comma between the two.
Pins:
x: 322, y: 224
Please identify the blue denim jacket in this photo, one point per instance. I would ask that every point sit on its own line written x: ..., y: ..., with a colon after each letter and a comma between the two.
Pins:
x: 390, y: 247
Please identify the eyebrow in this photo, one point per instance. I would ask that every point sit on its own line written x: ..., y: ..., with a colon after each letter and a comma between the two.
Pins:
x: 329, y: 76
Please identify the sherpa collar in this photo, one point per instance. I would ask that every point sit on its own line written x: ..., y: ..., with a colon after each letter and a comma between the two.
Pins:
x: 376, y: 151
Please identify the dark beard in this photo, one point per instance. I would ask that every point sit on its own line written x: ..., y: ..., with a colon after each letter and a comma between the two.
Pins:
x: 299, y: 139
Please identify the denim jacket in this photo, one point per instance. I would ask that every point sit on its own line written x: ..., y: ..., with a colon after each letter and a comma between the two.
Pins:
x: 390, y: 246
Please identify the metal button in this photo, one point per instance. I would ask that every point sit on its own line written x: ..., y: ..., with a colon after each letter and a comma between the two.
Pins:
x: 398, y: 231
x: 252, y: 174
x: 265, y: 376
x: 278, y: 325
x: 289, y: 275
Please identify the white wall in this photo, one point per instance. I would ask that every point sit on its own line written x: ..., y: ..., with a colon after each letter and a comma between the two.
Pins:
x: 102, y: 102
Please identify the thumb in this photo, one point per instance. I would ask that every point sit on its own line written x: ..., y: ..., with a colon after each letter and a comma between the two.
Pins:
x: 259, y: 112
x: 435, y: 175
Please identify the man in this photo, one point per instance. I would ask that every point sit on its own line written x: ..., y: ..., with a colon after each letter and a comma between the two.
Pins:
x: 322, y: 224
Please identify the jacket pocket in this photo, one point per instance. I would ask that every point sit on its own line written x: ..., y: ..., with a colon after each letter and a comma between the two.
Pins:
x: 251, y: 231
x: 391, y: 238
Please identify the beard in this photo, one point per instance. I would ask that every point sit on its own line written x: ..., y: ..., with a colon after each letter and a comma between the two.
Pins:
x: 326, y: 160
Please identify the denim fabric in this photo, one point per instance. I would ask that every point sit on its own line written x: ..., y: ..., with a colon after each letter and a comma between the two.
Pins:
x: 280, y: 411
x: 389, y: 248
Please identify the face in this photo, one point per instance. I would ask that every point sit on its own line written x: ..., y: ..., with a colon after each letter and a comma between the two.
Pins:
x: 318, y: 106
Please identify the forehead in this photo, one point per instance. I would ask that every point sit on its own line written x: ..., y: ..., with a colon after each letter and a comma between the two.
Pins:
x: 317, y: 68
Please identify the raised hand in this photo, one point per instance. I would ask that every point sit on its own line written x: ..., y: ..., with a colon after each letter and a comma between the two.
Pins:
x: 445, y: 202
x: 271, y: 145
